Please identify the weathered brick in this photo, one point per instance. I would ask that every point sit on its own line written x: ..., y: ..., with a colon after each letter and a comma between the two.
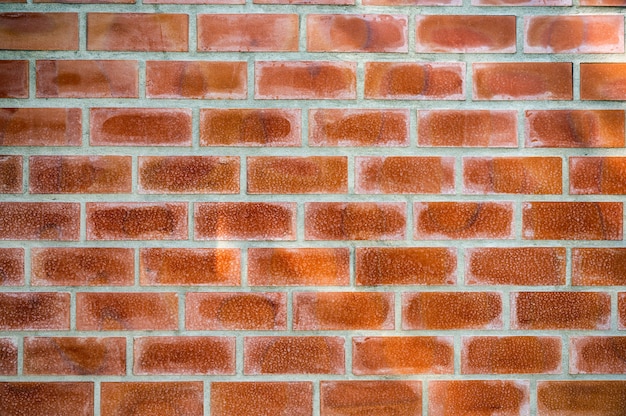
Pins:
x: 10, y: 174
x: 603, y: 81
x: 152, y: 398
x: 39, y: 31
x: 47, y: 398
x: 597, y: 355
x: 259, y: 397
x: 599, y: 266
x: 581, y: 397
x: 412, y: 2
x: 8, y: 357
x: 621, y: 310
x: 329, y: 2
x: 39, y: 221
x: 33, y: 311
x: 532, y: 3
x: 40, y: 127
x: 11, y: 266
x: 480, y: 397
x: 14, y: 79
x: 371, y: 397
x: 597, y: 175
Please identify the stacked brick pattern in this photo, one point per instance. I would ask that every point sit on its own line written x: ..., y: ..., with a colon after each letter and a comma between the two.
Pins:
x: 329, y: 207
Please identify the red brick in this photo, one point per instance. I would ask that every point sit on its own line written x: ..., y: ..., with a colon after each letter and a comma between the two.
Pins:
x: 355, y: 221
x: 184, y: 355
x: 247, y: 32
x: 603, y: 81
x: 511, y: 355
x: 451, y: 310
x: 189, y: 266
x: 236, y: 311
x: 298, y: 266
x: 575, y: 128
x: 532, y: 3
x: 467, y: 128
x: 261, y: 398
x: 404, y: 175
x: 602, y: 3
x: 39, y: 221
x: 13, y: 79
x: 599, y: 266
x: 560, y: 310
x: 415, y: 80
x: 572, y: 220
x: 11, y: 266
x: 578, y: 398
x: 597, y: 175
x: 355, y: 127
x: 87, y: 1
x: 250, y: 127
x: 245, y: 221
x: 405, y: 266
x: 8, y: 357
x: 196, y: 79
x: 194, y: 1
x: 308, y: 2
x: 412, y: 2
x: 621, y: 310
x: 478, y: 397
x: 141, y: 32
x: 305, y: 80
x: 152, y: 398
x: 10, y: 174
x: 87, y: 79
x: 74, y: 356
x: 140, y: 127
x: 76, y: 266
x: 375, y: 397
x: 465, y: 34
x: 356, y: 33
x: 597, y: 355
x: 522, y: 81
x: 512, y: 175
x: 39, y: 31
x: 40, y: 127
x: 34, y: 311
x: 46, y: 398
x: 297, y: 175
x: 532, y: 266
x: 574, y: 34
x: 402, y: 355
x: 126, y: 311
x: 343, y: 311
x: 294, y: 355
x: 136, y: 221
x: 80, y: 174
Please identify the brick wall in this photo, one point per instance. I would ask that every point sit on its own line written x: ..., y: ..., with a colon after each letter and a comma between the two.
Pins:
x: 312, y: 207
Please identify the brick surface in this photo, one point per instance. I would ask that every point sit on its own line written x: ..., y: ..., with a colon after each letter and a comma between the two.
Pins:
x: 39, y: 31
x: 580, y: 397
x: 47, y: 398
x: 603, y: 81
x: 262, y: 398
x: 384, y: 397
x: 14, y: 79
x: 8, y: 357
x: 39, y: 221
x: 149, y: 398
x: 597, y: 175
x: 597, y: 355
x: 598, y: 266
x: 23, y: 311
x: 11, y: 174
x: 40, y: 127
x: 11, y: 266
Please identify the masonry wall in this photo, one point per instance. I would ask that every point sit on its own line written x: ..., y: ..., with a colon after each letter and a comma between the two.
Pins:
x: 326, y: 207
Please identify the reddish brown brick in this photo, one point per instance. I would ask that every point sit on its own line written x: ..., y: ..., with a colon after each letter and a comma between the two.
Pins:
x: 479, y: 397
x: 376, y: 397
x: 80, y: 174
x: 603, y: 81
x: 46, y: 398
x: 194, y: 2
x: 572, y: 220
x: 10, y: 174
x: 126, y: 311
x: 412, y: 2
x: 405, y: 266
x: 8, y: 357
x: 34, y: 311
x: 597, y: 175
x: 39, y: 221
x: 581, y: 397
x: 152, y: 398
x: 621, y: 310
x: 271, y: 398
x: 40, y: 127
x: 597, y: 355
x: 307, y: 2
x: 74, y: 356
x: 87, y: 1
x: 13, y: 79
x: 82, y: 266
x: 11, y: 266
x: 534, y: 3
x: 602, y: 3
x: 599, y: 266
x: 39, y: 31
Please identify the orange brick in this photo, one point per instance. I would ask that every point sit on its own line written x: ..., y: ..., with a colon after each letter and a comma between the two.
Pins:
x: 11, y: 266
x: 356, y: 33
x: 597, y: 175
x: 294, y: 355
x: 189, y: 266
x: 74, y: 356
x: 298, y: 266
x: 402, y: 355
x: 581, y: 397
x: 141, y: 32
x: 479, y: 397
x: 34, y: 311
x: 597, y: 355
x: 574, y: 34
x: 531, y: 266
x: 467, y: 128
x: 87, y: 79
x: 152, y: 398
x: 39, y: 221
x: 560, y: 310
x: 194, y: 1
x: 621, y: 310
x: 46, y: 398
x: 247, y: 32
x: 8, y: 357
x: 412, y: 2
x: 305, y: 80
x: 511, y: 355
x: 297, y: 175
x: 343, y: 311
x: 355, y: 127
x: 375, y: 397
x: 40, y: 127
x: 196, y: 79
x: 533, y: 3
x: 452, y: 310
x: 10, y: 174
x: 405, y: 266
x: 76, y: 266
x: 87, y: 1
x: 355, y: 221
x: 575, y: 128
x: 603, y: 81
x: 126, y: 311
x: 13, y: 79
x: 572, y: 220
x: 465, y: 34
x: 307, y: 2
x: 603, y: 3
x: 404, y: 175
x: 271, y: 398
x: 415, y: 80
x: 39, y: 31
x: 523, y: 80
x: 80, y: 174
x: 250, y: 127
x: 599, y: 266
x: 184, y: 355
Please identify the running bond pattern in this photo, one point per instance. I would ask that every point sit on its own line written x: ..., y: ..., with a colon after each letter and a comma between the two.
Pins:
x: 312, y: 207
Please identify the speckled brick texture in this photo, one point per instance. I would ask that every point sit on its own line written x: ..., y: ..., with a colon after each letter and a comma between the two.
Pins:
x: 312, y: 208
